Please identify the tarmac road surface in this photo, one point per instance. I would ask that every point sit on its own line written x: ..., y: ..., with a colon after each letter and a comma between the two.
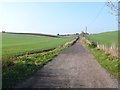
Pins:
x: 75, y: 67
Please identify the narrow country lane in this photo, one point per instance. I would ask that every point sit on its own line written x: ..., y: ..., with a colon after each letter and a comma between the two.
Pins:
x: 75, y: 67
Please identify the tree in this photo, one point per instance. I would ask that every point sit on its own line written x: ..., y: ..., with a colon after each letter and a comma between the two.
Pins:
x: 3, y: 31
x: 82, y: 34
x: 77, y: 33
x: 114, y: 7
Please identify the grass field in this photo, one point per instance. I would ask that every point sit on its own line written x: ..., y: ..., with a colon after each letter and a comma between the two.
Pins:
x: 108, y: 38
x: 15, y: 44
x: 15, y: 69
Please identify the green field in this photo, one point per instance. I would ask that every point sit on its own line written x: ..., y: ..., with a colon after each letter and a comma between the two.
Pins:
x: 16, y: 44
x: 16, y: 69
x: 107, y: 38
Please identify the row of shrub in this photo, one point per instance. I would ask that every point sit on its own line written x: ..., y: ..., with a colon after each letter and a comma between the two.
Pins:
x: 112, y: 51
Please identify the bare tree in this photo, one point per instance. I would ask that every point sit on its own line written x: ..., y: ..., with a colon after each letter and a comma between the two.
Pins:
x: 114, y: 7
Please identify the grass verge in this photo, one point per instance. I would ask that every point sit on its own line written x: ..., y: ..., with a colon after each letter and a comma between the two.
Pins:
x: 25, y: 66
x: 108, y: 62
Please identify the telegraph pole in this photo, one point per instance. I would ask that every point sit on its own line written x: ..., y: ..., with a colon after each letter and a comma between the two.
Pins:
x: 86, y: 29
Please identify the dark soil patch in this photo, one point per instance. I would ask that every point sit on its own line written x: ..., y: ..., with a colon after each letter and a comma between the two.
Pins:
x: 29, y: 53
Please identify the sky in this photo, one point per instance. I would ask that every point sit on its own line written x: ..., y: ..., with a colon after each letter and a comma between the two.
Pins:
x: 56, y: 17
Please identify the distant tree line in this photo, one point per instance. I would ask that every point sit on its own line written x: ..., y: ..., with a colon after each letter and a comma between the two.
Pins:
x: 67, y: 34
x: 3, y: 31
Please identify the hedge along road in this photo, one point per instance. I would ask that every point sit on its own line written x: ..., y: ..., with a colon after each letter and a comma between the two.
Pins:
x: 75, y: 67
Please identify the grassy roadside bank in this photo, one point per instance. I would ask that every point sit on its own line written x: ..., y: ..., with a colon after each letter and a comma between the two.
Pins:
x: 106, y: 41
x: 106, y: 38
x: 106, y: 61
x: 25, y: 66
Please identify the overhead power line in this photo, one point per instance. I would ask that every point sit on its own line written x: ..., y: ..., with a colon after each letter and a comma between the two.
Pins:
x: 100, y: 11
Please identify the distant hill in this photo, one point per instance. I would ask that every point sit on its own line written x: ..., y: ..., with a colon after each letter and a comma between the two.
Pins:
x: 40, y: 34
